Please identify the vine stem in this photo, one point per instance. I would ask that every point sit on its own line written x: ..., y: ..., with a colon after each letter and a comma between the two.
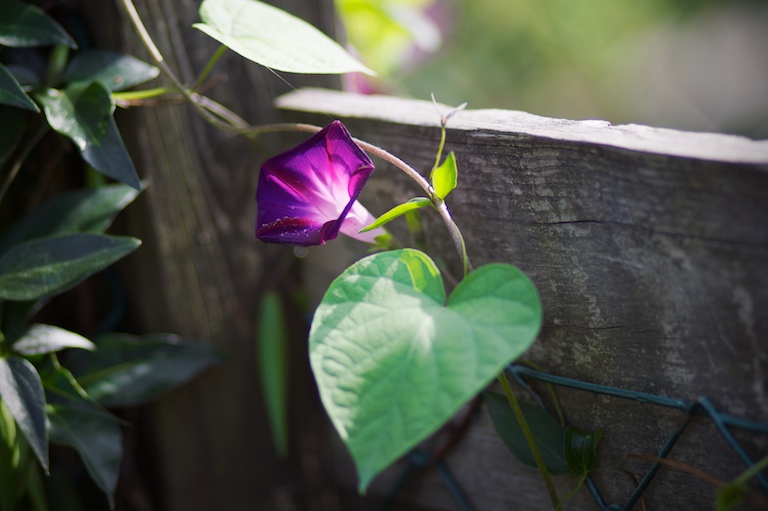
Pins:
x: 529, y: 438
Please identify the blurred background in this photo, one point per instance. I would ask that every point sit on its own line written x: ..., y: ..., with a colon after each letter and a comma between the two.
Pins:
x: 699, y: 65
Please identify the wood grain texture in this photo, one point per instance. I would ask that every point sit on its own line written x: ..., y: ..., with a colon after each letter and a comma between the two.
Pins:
x: 200, y: 272
x: 650, y: 250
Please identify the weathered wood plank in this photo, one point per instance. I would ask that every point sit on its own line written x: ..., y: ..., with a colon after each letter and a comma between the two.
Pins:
x: 650, y: 250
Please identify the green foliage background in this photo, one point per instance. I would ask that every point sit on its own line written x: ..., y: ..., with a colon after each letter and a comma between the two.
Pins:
x: 686, y: 64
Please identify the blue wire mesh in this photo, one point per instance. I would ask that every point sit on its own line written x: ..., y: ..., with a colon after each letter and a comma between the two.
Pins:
x: 420, y: 459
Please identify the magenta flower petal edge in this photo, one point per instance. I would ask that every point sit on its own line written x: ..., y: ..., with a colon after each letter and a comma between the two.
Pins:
x: 308, y: 194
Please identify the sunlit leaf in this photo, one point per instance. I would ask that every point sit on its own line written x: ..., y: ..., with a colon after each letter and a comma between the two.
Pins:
x: 12, y: 94
x: 127, y: 370
x: 10, y: 457
x: 399, y: 210
x: 39, y: 339
x: 393, y: 360
x: 22, y: 392
x: 84, y: 115
x: 47, y: 266
x: 117, y: 71
x: 445, y: 177
x: 274, y: 38
x: 24, y: 25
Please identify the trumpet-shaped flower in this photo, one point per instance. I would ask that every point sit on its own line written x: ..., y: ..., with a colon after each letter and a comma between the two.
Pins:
x: 307, y: 195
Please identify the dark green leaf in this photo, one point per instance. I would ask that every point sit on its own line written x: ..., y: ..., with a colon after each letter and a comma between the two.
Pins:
x: 116, y: 71
x: 22, y: 392
x: 11, y: 130
x: 581, y: 450
x: 12, y: 94
x: 23, y: 25
x: 83, y: 211
x: 401, y: 209
x: 26, y: 76
x: 129, y: 371
x: 10, y: 458
x: 48, y: 266
x: 273, y: 38
x: 272, y: 347
x: 547, y: 432
x: 729, y: 497
x: 445, y: 177
x: 40, y: 339
x: 84, y: 115
x: 94, y: 434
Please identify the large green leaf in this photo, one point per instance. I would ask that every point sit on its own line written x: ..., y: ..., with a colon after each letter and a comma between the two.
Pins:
x: 48, y: 266
x: 40, y: 339
x: 22, y: 392
x: 11, y: 130
x: 90, y: 210
x: 129, y: 371
x: 273, y: 369
x: 12, y: 94
x: 393, y: 360
x: 547, y: 432
x: 94, y: 434
x: 24, y: 25
x: 84, y: 115
x: 273, y: 38
x: 115, y: 70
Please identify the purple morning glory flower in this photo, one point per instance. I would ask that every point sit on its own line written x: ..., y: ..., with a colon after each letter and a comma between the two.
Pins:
x: 307, y: 195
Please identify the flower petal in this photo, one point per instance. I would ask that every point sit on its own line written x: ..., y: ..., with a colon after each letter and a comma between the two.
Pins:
x: 305, y: 194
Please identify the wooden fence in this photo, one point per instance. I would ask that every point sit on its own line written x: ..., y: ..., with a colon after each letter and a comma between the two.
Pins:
x: 650, y: 251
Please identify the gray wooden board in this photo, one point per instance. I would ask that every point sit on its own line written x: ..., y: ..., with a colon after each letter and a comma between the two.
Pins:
x: 649, y: 248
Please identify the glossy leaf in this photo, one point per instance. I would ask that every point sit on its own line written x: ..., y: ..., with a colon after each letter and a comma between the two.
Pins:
x: 84, y: 115
x: 12, y: 94
x: 274, y: 38
x: 399, y: 210
x: 273, y: 369
x: 393, y: 361
x: 94, y: 434
x: 547, y: 432
x: 40, y: 339
x: 581, y: 450
x: 83, y: 211
x: 11, y: 131
x: 117, y: 71
x: 130, y: 371
x: 22, y: 392
x: 10, y: 458
x: 445, y: 177
x: 23, y: 25
x: 47, y: 266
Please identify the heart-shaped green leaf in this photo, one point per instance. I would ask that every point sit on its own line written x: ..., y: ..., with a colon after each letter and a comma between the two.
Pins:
x: 547, y: 432
x: 393, y: 361
x: 581, y: 450
x: 273, y: 38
